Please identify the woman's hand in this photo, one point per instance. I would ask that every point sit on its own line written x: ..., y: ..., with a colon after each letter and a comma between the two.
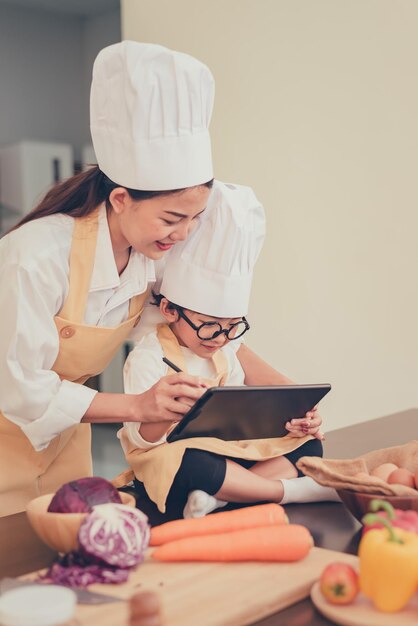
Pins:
x: 308, y: 425
x: 169, y: 399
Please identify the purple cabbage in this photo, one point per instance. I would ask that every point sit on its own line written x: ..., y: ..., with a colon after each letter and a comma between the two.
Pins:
x: 113, y: 538
x: 74, y: 570
x: 114, y: 534
x: 80, y: 496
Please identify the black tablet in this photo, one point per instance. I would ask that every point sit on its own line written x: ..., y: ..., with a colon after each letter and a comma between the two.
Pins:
x: 236, y: 413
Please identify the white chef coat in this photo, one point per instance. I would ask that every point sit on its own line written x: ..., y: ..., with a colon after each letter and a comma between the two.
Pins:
x: 34, y: 269
x: 144, y: 367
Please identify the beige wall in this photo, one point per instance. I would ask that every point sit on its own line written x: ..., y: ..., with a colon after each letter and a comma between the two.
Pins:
x: 317, y: 108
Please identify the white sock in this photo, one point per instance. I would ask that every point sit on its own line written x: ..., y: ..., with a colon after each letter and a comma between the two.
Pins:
x: 306, y: 489
x: 199, y: 503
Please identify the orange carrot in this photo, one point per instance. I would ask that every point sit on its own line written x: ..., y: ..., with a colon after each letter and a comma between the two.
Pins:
x: 227, y: 521
x: 290, y: 542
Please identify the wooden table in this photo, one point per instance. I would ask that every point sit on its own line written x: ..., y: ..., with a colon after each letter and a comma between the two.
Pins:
x: 330, y: 524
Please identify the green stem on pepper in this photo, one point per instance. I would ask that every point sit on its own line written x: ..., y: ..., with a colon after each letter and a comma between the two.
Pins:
x: 372, y: 518
x: 377, y: 505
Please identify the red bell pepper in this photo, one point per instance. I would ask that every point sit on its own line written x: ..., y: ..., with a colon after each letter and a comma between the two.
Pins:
x: 407, y: 520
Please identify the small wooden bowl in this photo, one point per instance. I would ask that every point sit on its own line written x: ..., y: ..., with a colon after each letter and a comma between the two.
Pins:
x: 60, y: 530
x: 358, y: 503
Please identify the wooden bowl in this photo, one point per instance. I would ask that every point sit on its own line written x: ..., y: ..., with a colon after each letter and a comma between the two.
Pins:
x: 60, y: 530
x: 358, y: 503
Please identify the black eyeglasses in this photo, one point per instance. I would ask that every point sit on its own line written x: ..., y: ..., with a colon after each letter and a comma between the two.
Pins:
x: 211, y: 330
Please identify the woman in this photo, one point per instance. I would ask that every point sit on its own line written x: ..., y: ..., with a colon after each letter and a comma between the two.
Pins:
x: 75, y: 273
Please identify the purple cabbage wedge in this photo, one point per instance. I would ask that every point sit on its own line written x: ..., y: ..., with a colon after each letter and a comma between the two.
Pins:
x: 115, y: 534
x: 80, y: 496
x: 74, y: 570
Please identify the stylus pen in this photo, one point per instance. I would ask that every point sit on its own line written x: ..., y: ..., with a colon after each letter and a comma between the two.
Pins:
x: 171, y: 364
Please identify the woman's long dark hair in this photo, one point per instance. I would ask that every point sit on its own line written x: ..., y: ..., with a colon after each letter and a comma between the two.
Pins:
x: 81, y: 194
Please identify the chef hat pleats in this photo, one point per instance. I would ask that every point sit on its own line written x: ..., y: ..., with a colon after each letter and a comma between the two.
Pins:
x: 211, y: 272
x: 150, y: 109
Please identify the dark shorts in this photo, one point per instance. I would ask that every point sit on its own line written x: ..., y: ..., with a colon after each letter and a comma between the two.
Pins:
x: 206, y: 471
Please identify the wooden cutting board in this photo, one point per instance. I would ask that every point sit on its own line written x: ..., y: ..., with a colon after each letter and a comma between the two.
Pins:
x: 214, y: 594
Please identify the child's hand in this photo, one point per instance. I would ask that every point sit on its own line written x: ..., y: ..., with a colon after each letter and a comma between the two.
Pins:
x: 308, y: 425
x: 169, y: 399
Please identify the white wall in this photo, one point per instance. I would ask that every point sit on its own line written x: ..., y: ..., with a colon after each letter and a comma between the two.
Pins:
x: 316, y: 108
x: 40, y: 90
x: 45, y: 70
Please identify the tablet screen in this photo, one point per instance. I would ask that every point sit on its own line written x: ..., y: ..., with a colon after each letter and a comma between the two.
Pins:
x: 239, y: 413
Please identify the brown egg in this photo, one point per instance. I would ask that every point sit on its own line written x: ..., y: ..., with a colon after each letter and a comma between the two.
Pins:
x: 384, y: 470
x: 402, y: 476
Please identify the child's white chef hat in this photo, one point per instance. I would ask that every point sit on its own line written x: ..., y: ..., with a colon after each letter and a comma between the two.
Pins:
x: 211, y: 271
x: 150, y: 109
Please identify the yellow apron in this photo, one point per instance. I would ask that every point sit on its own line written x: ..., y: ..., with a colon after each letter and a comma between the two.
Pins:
x: 157, y: 467
x: 84, y: 351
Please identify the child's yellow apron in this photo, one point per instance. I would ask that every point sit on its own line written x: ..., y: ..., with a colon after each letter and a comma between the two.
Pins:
x: 84, y: 351
x: 157, y: 467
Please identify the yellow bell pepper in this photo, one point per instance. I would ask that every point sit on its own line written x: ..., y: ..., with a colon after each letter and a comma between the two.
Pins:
x: 388, y: 563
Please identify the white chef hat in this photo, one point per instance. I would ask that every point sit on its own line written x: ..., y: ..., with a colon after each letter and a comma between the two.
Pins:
x: 211, y: 271
x: 150, y: 109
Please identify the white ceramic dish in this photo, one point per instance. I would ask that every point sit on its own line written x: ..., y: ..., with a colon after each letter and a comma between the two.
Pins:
x: 37, y: 605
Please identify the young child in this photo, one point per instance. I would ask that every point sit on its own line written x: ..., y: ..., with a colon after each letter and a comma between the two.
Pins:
x: 204, y: 299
